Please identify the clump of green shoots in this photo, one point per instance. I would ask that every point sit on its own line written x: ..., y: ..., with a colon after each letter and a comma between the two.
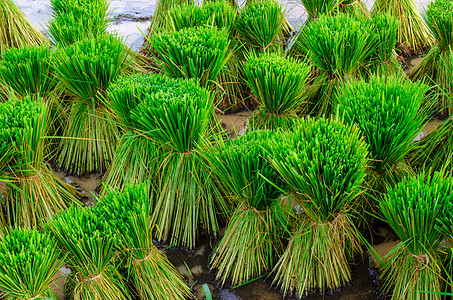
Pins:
x: 28, y: 264
x: 85, y: 70
x: 89, y: 244
x: 390, y: 114
x: 280, y: 84
x: 129, y: 213
x: 16, y: 30
x: 197, y: 52
x: 28, y: 71
x: 33, y: 193
x: 413, y: 35
x: 413, y: 268
x: 177, y: 120
x: 323, y: 162
x: 253, y: 238
x: 439, y: 18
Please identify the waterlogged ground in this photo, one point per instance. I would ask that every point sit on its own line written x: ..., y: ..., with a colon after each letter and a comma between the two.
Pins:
x: 129, y: 19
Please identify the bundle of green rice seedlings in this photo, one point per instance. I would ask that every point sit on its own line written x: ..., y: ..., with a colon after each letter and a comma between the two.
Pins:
x: 323, y: 162
x: 135, y: 157
x: 153, y: 276
x: 413, y: 35
x: 279, y: 84
x: 317, y: 8
x: 28, y: 71
x: 177, y: 120
x: 336, y: 65
x: 85, y: 70
x: 412, y: 208
x: 253, y: 238
x: 355, y: 7
x: 33, y: 193
x: 383, y: 60
x: 89, y: 244
x: 389, y: 113
x: 220, y: 14
x: 28, y: 264
x: 198, y: 52
x: 16, y: 31
x: 260, y: 25
x: 160, y: 17
x: 439, y: 18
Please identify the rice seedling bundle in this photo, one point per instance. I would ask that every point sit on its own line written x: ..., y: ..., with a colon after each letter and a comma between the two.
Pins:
x: 77, y: 20
x: 383, y: 61
x: 33, y: 193
x: 85, y: 70
x: 160, y: 17
x: 260, y: 25
x: 279, y: 83
x: 439, y: 18
x: 355, y: 7
x: 390, y: 115
x: 317, y: 8
x: 28, y: 71
x: 153, y: 276
x: 88, y: 242
x: 135, y: 157
x: 336, y: 64
x: 412, y: 208
x: 252, y: 241
x: 177, y: 120
x: 16, y: 31
x: 28, y: 263
x: 323, y: 162
x: 413, y: 35
x: 198, y: 52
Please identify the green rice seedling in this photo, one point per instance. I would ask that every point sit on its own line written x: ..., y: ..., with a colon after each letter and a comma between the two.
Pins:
x: 85, y: 70
x: 260, y: 25
x: 89, y: 244
x: 390, y: 115
x: 153, y: 276
x: 28, y: 264
x: 336, y: 65
x: 439, y: 18
x: 323, y: 162
x: 317, y: 8
x: 279, y: 84
x: 383, y: 61
x: 33, y: 193
x: 177, y: 120
x: 16, y: 31
x: 253, y: 238
x: 135, y: 157
x: 355, y: 7
x: 413, y: 35
x: 28, y: 71
x: 198, y: 52
x: 160, y: 17
x: 412, y: 208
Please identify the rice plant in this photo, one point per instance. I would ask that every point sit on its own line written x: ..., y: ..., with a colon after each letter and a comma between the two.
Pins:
x: 33, y: 193
x: 253, y: 238
x: 439, y: 18
x: 279, y: 84
x: 413, y: 35
x: 198, y: 52
x: 89, y: 244
x: 160, y: 17
x: 323, y: 162
x: 85, y: 70
x: 153, y: 276
x: 28, y: 71
x: 260, y: 25
x: 390, y: 115
x: 135, y: 157
x: 77, y: 20
x: 412, y: 208
x: 28, y: 264
x: 177, y: 120
x: 336, y: 65
x: 16, y: 31
x: 317, y: 8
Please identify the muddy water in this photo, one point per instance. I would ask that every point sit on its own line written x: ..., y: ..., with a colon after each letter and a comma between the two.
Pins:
x: 235, y: 124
